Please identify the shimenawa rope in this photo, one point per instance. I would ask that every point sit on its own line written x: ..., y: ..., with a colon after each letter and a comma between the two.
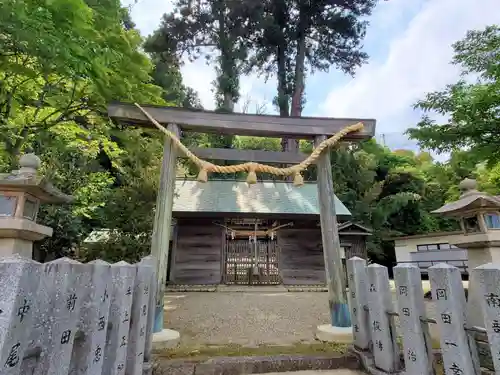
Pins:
x: 251, y: 167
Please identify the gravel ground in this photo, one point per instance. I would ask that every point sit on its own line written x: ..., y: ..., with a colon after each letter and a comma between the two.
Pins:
x: 249, y: 319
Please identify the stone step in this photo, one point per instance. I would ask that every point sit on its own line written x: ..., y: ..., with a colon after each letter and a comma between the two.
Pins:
x: 261, y: 365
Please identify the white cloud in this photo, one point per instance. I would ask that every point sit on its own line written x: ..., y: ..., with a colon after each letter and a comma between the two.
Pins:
x: 417, y: 62
x: 199, y: 76
x: 253, y: 92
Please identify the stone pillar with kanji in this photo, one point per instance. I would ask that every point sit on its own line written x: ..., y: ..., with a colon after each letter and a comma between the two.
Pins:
x: 22, y: 192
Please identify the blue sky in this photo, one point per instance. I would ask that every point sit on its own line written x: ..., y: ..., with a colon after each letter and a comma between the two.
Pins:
x: 409, y: 43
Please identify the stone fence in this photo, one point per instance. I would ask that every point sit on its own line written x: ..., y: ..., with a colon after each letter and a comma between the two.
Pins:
x: 388, y: 348
x: 65, y: 317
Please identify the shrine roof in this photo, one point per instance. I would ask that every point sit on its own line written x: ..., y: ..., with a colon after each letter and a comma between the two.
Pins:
x: 237, y: 197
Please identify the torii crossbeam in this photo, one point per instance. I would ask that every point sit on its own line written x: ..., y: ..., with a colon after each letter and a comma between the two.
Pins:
x: 317, y: 129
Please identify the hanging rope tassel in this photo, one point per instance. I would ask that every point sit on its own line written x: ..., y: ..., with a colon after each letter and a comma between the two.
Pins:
x: 203, y: 175
x: 298, y: 180
x: 252, y: 176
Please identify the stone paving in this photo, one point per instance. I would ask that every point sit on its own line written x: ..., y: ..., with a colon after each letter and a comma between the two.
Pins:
x: 319, y: 372
x: 247, y: 318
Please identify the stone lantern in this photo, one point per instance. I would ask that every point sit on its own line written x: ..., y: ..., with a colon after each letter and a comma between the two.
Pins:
x: 21, y: 193
x: 479, y: 217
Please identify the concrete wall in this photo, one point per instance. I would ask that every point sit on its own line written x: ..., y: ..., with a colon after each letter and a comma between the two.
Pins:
x: 406, y: 249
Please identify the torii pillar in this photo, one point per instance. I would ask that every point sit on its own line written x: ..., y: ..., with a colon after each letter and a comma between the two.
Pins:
x: 340, y: 329
x: 160, y: 242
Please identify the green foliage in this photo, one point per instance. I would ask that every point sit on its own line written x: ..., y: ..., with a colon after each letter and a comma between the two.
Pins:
x: 128, y: 216
x: 167, y: 75
x: 194, y: 30
x: 58, y: 72
x: 392, y: 192
x: 472, y: 109
x: 129, y: 208
x: 291, y: 38
x: 61, y: 62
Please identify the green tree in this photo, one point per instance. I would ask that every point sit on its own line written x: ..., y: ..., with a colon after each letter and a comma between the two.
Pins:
x: 472, y: 109
x: 194, y: 30
x: 61, y: 62
x: 167, y: 75
x: 198, y: 29
x: 128, y: 213
x: 391, y: 192
x: 57, y: 69
x: 291, y: 38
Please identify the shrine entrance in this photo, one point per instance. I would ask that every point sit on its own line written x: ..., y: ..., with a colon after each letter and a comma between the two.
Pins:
x: 250, y: 256
x: 250, y: 263
x: 325, y: 133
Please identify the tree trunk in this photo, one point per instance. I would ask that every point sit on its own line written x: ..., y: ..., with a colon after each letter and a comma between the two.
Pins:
x: 279, y: 11
x: 283, y: 102
x: 299, y: 78
x: 292, y: 145
x: 227, y: 68
x: 298, y: 84
x: 228, y: 76
x: 283, y: 98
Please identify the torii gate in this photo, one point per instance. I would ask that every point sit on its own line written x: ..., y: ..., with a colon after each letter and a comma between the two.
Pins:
x: 318, y: 129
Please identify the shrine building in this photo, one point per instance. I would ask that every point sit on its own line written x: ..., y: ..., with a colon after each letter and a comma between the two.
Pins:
x: 216, y: 223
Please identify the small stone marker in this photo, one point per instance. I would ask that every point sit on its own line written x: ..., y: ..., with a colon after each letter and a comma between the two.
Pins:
x: 122, y: 291
x: 19, y: 280
x: 411, y: 307
x: 488, y: 276
x: 458, y: 349
x: 88, y: 352
x: 358, y: 289
x: 385, y: 349
x: 139, y: 321
x: 147, y: 369
x: 474, y: 313
x: 60, y: 286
